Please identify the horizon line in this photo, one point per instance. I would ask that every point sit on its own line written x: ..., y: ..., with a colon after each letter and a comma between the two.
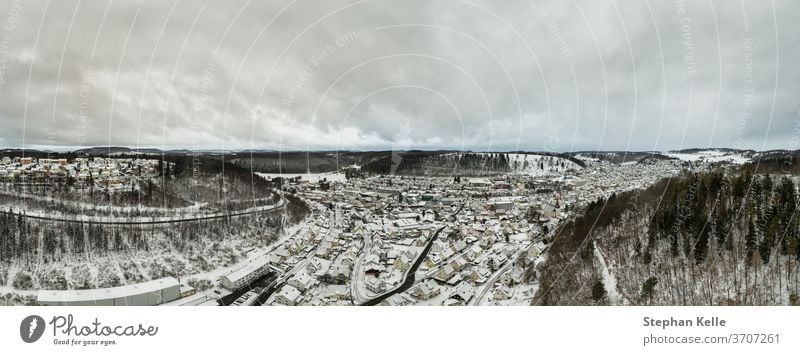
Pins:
x: 72, y: 149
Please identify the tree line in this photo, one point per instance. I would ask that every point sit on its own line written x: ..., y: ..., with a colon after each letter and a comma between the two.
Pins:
x: 719, y: 237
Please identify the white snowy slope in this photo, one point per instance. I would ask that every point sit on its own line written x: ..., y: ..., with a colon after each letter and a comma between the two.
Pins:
x: 534, y: 164
x: 537, y: 164
x: 314, y: 178
x: 712, y: 156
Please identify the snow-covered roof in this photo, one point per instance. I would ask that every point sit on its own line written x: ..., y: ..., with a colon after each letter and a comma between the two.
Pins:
x: 302, y: 278
x: 249, y: 268
x: 54, y: 296
x: 290, y: 293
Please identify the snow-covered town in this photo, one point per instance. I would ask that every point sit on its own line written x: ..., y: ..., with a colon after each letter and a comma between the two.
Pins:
x: 377, y: 239
x: 461, y: 241
x: 104, y: 173
x: 411, y: 240
x: 556, y: 176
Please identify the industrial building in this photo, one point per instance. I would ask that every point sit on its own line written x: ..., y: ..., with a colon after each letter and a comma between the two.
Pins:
x: 193, y: 300
x: 151, y: 293
x: 246, y: 274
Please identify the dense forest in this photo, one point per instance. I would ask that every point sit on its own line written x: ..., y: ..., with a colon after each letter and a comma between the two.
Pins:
x: 775, y: 162
x: 458, y: 163
x: 715, y: 238
x: 216, y: 182
x: 33, y: 241
x: 36, y: 253
x: 302, y: 162
x: 59, y: 255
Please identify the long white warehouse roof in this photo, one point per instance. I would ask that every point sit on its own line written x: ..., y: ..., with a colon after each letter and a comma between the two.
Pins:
x: 249, y: 268
x: 107, y: 293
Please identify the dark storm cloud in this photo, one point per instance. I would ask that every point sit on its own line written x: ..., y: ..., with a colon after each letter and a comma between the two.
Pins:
x: 539, y: 75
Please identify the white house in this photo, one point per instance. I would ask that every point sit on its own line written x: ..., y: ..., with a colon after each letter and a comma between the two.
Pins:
x: 426, y: 290
x: 503, y: 293
x: 463, y: 292
x: 375, y: 285
x: 288, y: 296
x: 301, y: 281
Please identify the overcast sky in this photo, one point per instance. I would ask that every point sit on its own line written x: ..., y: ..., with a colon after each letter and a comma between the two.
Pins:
x: 362, y: 75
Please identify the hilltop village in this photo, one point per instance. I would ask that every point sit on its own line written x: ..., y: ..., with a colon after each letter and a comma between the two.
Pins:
x: 99, y: 172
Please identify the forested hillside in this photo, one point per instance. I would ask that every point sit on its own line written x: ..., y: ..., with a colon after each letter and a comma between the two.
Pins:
x: 775, y: 162
x: 185, y: 182
x: 471, y: 164
x: 716, y: 238
x: 65, y: 238
x: 302, y: 162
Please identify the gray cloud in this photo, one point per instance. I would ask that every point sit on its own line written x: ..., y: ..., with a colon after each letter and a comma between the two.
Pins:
x: 538, y: 75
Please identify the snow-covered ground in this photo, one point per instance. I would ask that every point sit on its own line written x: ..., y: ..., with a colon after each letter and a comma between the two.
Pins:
x: 179, y: 216
x: 586, y: 158
x: 314, y: 178
x: 711, y: 156
x: 537, y: 164
x: 609, y: 281
x: 204, y: 260
x: 521, y: 295
x: 534, y: 164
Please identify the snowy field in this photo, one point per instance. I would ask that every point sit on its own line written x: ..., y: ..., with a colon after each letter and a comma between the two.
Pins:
x: 536, y: 164
x: 314, y: 178
x: 710, y: 156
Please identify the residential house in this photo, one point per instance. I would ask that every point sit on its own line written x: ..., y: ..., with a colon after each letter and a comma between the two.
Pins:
x: 426, y: 290
x: 502, y: 293
x: 375, y: 285
x: 288, y: 296
x: 301, y: 281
